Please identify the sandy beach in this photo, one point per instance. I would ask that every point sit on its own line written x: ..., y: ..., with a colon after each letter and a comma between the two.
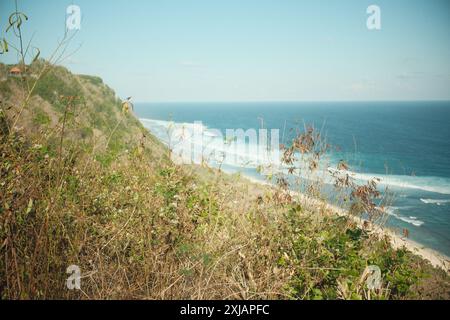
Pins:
x: 436, y: 259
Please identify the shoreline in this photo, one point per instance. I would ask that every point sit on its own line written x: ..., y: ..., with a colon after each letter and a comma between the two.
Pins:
x: 435, y: 258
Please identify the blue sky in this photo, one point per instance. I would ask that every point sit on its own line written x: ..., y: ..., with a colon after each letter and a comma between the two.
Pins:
x: 253, y: 50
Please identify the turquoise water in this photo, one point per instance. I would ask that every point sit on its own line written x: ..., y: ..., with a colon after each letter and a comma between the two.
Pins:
x: 406, y: 144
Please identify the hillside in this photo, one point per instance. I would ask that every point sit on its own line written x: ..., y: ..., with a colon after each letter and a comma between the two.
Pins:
x: 83, y: 183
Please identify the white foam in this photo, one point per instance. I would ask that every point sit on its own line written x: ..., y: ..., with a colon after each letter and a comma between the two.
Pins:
x: 211, y: 144
x: 215, y: 142
x: 438, y: 202
x: 430, y: 184
x: 392, y: 211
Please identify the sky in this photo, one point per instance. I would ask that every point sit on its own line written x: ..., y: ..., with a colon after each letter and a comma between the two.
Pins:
x: 251, y: 50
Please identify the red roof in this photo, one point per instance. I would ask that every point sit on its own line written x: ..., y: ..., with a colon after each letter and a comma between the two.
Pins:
x: 15, y: 70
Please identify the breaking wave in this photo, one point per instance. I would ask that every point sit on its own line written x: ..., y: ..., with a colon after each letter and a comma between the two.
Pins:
x: 393, y: 212
x: 438, y: 202
x: 215, y: 142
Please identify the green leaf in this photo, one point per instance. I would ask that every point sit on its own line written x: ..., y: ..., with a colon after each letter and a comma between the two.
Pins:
x: 37, y: 55
x: 3, y: 46
x: 30, y: 206
x: 16, y: 19
x: 9, y: 27
x: 10, y: 19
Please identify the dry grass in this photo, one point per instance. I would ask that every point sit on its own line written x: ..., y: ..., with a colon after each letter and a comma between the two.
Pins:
x: 141, y: 227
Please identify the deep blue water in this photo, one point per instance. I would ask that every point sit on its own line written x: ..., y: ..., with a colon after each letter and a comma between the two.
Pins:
x: 407, y: 144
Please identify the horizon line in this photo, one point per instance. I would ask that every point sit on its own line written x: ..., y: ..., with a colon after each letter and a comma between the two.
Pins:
x: 292, y: 101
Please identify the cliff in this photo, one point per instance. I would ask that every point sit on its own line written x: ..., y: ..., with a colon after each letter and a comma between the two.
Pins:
x: 84, y: 184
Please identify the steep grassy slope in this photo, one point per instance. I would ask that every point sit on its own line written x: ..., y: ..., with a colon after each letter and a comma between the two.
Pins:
x: 93, y: 112
x: 83, y: 183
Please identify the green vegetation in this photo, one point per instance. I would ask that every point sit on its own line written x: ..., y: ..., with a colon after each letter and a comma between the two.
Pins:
x: 56, y: 83
x: 84, y: 184
x: 41, y: 117
x: 97, y: 81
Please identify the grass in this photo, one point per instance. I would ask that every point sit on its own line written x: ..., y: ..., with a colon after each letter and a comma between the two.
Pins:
x: 141, y: 227
x: 97, y: 81
x: 41, y: 117
x: 57, y: 83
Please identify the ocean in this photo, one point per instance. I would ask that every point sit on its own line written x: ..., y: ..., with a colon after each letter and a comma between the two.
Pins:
x: 405, y: 144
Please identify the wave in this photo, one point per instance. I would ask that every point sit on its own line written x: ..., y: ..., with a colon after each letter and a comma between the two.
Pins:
x: 438, y: 202
x: 246, y: 154
x: 392, y: 211
x: 163, y: 128
x: 211, y: 145
x: 429, y: 184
